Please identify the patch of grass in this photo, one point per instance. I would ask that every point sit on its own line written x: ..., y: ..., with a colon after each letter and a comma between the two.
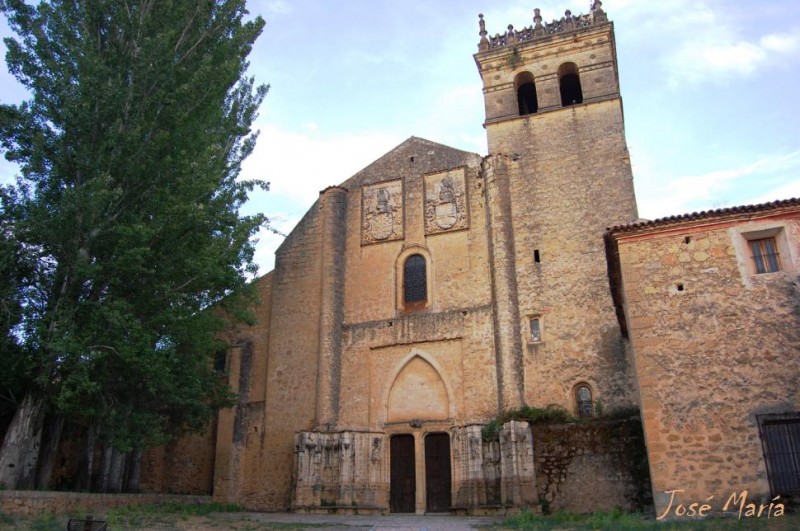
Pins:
x: 46, y: 522
x: 164, y: 513
x: 616, y: 519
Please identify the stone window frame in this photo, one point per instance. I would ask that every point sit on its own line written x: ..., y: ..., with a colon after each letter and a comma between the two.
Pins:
x: 743, y: 236
x: 400, y: 303
x: 528, y: 327
x: 576, y: 401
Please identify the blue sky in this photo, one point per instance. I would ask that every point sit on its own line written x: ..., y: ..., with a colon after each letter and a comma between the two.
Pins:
x: 710, y: 91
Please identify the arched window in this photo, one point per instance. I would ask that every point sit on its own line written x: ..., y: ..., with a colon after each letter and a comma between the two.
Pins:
x: 583, y: 401
x: 569, y: 83
x: 526, y: 93
x: 415, y: 282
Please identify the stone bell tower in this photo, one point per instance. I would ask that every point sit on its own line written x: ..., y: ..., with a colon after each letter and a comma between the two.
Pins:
x: 557, y: 175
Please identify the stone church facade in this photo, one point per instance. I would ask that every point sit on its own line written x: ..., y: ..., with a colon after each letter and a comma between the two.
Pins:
x: 437, y: 288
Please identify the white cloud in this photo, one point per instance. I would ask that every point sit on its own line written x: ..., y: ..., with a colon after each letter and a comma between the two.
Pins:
x: 782, y: 43
x: 268, y: 241
x: 708, y: 58
x: 299, y: 165
x: 785, y: 191
x: 717, y: 51
x: 707, y: 41
x: 781, y: 172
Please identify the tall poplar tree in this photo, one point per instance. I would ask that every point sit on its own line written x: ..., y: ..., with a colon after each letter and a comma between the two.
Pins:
x: 127, y: 208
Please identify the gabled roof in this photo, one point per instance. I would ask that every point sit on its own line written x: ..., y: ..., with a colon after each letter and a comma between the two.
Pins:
x: 446, y: 157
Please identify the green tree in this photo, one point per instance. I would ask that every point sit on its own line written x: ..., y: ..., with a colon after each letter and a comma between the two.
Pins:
x: 128, y: 203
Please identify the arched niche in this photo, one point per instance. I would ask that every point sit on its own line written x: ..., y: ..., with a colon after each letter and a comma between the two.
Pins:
x: 418, y: 391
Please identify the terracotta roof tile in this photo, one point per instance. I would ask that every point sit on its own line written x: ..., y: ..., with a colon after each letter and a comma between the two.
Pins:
x: 705, y: 214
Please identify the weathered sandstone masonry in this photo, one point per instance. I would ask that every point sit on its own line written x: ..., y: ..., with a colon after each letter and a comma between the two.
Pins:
x: 508, y: 343
x: 333, y: 206
x: 437, y: 288
x: 402, y: 307
x: 716, y: 347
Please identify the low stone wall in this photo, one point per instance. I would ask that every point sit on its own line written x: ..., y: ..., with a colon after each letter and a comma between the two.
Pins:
x: 24, y: 502
x: 592, y: 466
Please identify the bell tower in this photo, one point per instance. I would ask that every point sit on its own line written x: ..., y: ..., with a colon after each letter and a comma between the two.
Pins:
x: 557, y: 175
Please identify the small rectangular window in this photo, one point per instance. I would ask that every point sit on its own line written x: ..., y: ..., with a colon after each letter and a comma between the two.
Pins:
x: 765, y: 255
x: 536, y: 331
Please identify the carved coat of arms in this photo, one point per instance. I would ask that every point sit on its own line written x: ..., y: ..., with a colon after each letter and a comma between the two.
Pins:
x: 382, y: 212
x: 445, y: 202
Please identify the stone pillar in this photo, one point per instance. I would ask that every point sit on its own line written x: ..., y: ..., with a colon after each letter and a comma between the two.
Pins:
x: 518, y: 486
x: 469, y: 481
x: 507, y: 338
x: 347, y: 468
x: 229, y: 452
x: 307, y: 482
x: 333, y: 208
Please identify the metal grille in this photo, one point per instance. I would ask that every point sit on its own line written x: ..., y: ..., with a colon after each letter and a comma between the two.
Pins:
x: 86, y: 524
x: 765, y: 255
x: 414, y: 279
x: 780, y: 437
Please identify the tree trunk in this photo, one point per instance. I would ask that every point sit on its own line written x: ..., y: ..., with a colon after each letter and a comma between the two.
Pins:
x: 86, y: 465
x: 116, y: 471
x: 48, y: 453
x: 105, y: 470
x: 134, y: 471
x: 20, y: 449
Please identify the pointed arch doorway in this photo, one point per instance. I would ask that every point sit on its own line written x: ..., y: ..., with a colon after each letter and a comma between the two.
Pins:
x: 419, y: 457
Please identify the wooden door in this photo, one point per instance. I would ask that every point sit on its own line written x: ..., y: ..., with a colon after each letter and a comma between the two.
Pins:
x: 437, y: 472
x: 402, y: 483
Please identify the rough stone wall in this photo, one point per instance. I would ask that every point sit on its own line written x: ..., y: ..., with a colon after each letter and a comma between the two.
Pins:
x: 715, y: 345
x: 570, y: 178
x: 240, y: 430
x: 78, y: 504
x: 185, y: 466
x: 594, y: 466
x: 569, y: 185
x: 291, y: 360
